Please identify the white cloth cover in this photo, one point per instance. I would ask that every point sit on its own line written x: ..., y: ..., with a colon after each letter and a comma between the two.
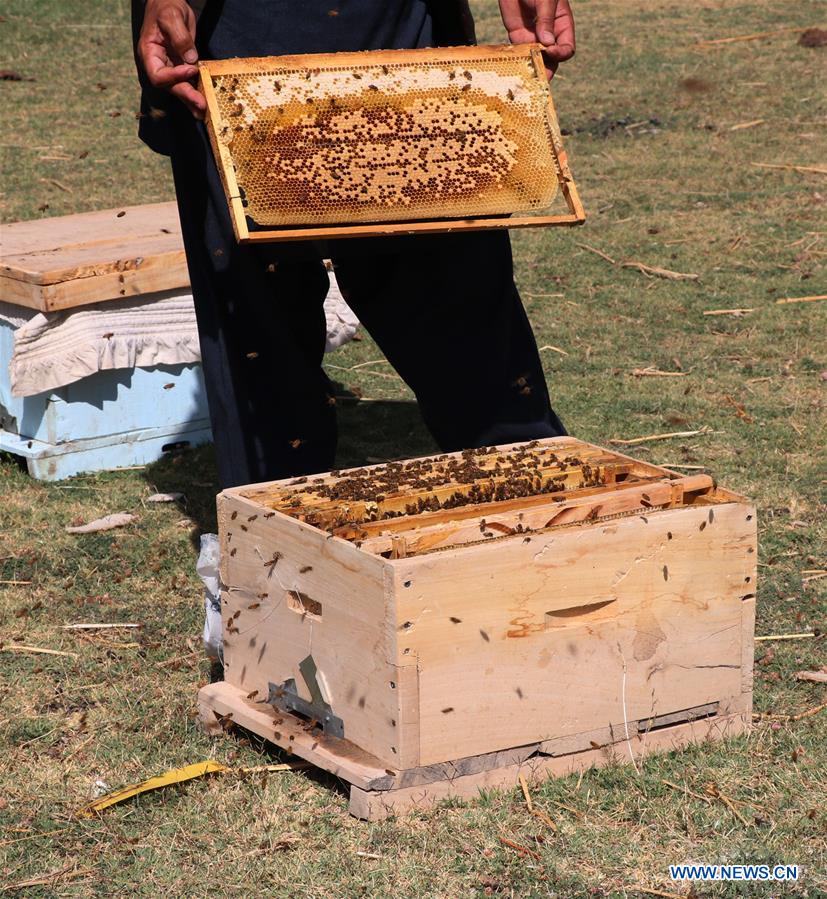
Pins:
x: 342, y: 323
x: 55, y: 349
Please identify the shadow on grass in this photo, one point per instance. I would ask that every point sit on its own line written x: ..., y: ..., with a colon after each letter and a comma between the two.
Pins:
x: 274, y: 755
x: 369, y: 432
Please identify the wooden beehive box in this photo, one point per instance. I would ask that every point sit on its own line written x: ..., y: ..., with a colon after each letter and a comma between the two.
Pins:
x: 388, y: 141
x: 427, y: 627
x: 112, y: 418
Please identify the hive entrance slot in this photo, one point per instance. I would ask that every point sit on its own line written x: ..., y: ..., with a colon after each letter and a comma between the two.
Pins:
x: 660, y: 722
x: 303, y: 604
x: 578, y: 614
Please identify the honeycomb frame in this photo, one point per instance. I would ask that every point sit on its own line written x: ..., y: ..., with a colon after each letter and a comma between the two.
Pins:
x: 387, y: 142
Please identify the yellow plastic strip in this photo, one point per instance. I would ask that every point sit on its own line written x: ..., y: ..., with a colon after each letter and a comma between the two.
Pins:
x: 175, y: 776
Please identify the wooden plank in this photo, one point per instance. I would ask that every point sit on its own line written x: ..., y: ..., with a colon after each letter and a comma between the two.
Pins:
x: 103, y: 227
x: 55, y: 462
x: 22, y: 293
x: 391, y: 229
x: 747, y: 644
x: 59, y: 263
x: 374, y: 805
x: 504, y: 632
x: 90, y: 260
x: 359, y: 58
x: 226, y: 168
x: 224, y: 702
x: 450, y: 771
x: 596, y: 738
x: 378, y: 791
x: 407, y: 688
x: 567, y: 186
x: 750, y: 589
x: 266, y: 559
x: 695, y: 713
x: 161, y: 273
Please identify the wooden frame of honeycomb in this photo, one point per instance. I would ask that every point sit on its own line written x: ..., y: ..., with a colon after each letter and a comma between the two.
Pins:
x: 387, y: 142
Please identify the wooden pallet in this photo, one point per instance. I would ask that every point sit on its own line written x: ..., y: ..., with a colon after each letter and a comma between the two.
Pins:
x: 377, y: 791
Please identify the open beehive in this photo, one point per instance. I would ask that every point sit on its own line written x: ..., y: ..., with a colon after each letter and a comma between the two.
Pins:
x: 427, y: 627
x: 390, y: 141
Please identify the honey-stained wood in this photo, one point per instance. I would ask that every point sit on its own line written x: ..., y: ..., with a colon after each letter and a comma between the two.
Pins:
x: 387, y: 142
x: 60, y: 263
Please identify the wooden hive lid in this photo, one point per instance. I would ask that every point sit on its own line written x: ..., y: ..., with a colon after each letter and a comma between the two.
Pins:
x: 74, y: 260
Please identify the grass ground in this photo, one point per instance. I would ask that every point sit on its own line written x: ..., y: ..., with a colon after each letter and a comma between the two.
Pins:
x: 661, y: 148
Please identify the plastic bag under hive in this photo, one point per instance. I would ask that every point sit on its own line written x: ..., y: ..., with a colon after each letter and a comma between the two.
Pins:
x: 320, y: 141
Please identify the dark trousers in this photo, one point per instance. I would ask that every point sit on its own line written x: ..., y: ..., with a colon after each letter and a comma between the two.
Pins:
x: 443, y: 309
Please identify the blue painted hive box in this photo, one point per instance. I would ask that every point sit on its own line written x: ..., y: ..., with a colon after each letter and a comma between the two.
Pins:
x: 115, y: 417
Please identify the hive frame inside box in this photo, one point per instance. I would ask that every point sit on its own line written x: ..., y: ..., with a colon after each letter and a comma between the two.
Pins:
x: 211, y: 68
x: 679, y: 545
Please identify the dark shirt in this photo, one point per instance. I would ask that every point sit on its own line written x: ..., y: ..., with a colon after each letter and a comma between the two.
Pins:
x: 275, y: 27
x: 228, y: 28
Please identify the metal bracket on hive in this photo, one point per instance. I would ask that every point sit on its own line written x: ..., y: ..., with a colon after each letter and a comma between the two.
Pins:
x: 285, y: 697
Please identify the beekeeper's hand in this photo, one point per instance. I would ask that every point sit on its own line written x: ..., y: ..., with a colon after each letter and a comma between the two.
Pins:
x: 166, y: 49
x: 549, y: 22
